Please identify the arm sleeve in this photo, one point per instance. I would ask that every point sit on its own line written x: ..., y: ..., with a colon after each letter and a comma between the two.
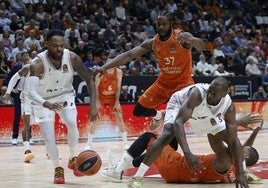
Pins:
x: 33, y: 86
x: 14, y: 79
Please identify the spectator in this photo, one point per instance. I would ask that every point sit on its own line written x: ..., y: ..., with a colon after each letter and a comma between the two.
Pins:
x: 100, y: 44
x: 56, y: 23
x: 212, y: 65
x: 45, y: 23
x: 113, y: 20
x: 108, y: 32
x: 90, y: 63
x: 4, y: 68
x: 4, y: 22
x: 6, y: 50
x: 16, y: 23
x: 138, y: 65
x: 4, y: 8
x: 101, y: 17
x: 19, y: 48
x: 202, y: 67
x: 148, y: 28
x: 260, y: 94
x: 6, y: 38
x: 251, y: 68
x: 71, y: 41
x: 222, y: 72
x: 125, y: 96
x: 40, y: 13
x: 120, y: 12
x: 30, y: 13
x: 81, y: 50
x: 150, y: 71
x: 238, y: 62
x: 32, y: 25
x: 73, y: 29
x: 227, y: 48
x: 155, y: 13
x: 31, y: 40
x: 18, y: 7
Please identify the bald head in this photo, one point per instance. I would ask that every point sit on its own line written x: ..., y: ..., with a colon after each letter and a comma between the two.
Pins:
x: 221, y: 82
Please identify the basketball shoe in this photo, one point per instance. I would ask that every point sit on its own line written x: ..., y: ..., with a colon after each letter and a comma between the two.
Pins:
x: 156, y: 123
x: 59, y: 175
x: 252, y: 179
x: 28, y: 155
x: 135, y: 182
x: 73, y: 166
x: 112, y: 175
x: 14, y: 141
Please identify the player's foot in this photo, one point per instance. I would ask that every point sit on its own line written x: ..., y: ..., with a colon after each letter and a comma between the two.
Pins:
x: 135, y: 182
x: 252, y: 179
x: 73, y: 166
x: 14, y: 141
x: 59, y: 175
x: 31, y: 142
x: 112, y: 175
x: 28, y: 156
x: 156, y: 123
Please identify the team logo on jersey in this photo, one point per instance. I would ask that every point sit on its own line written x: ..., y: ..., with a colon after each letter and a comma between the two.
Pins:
x: 172, y: 48
x: 65, y: 68
x: 213, y: 121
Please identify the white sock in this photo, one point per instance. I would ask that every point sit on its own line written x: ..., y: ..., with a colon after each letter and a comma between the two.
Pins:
x: 124, y: 163
x: 26, y: 145
x: 124, y: 137
x: 158, y: 115
x: 56, y: 163
x: 141, y: 170
x: 90, y: 139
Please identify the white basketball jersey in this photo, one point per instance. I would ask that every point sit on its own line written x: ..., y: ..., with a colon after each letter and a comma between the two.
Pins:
x: 56, y: 82
x: 205, y: 118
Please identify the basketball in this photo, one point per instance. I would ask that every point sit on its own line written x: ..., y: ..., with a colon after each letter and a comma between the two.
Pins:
x: 89, y: 162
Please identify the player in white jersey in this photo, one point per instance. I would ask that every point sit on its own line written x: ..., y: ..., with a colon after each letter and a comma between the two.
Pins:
x: 50, y: 87
x: 210, y: 110
x: 26, y: 110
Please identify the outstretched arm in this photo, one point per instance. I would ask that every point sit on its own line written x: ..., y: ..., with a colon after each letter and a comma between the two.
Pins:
x: 187, y: 40
x: 184, y: 115
x: 235, y: 145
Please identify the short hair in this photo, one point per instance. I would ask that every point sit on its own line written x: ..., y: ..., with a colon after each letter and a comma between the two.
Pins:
x: 54, y: 32
x: 253, y: 155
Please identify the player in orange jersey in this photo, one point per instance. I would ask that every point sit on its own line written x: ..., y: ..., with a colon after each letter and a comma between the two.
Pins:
x: 172, y: 48
x: 173, y: 167
x: 108, y: 91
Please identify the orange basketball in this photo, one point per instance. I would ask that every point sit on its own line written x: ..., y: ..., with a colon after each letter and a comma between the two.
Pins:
x: 89, y: 162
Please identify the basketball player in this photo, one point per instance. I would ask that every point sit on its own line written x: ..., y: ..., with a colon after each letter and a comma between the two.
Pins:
x: 173, y: 51
x: 50, y: 87
x: 23, y: 75
x: 219, y: 167
x: 108, y: 88
x: 210, y: 111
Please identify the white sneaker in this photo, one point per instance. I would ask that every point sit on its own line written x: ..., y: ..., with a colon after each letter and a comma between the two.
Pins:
x: 135, y: 182
x: 112, y: 160
x: 112, y: 175
x: 156, y: 123
x: 14, y: 141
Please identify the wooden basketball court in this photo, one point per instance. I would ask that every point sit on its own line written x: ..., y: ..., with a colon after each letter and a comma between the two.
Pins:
x: 15, y: 173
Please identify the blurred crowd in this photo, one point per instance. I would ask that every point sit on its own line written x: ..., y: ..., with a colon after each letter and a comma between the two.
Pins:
x: 235, y: 37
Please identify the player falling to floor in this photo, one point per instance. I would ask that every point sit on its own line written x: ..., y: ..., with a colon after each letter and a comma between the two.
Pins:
x: 219, y: 166
x: 108, y: 88
x: 172, y: 48
x: 51, y: 89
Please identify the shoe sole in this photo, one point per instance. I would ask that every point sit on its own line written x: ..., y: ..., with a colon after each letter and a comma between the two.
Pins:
x: 28, y: 157
x: 111, y: 179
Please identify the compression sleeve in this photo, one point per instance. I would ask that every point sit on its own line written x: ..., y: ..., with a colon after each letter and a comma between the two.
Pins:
x: 14, y: 79
x: 33, y: 86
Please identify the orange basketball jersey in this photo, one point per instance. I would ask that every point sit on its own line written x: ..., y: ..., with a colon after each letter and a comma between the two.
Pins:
x: 107, y: 88
x: 173, y: 168
x: 174, y: 61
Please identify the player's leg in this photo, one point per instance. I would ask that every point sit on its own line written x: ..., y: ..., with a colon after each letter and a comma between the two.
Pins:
x: 69, y: 116
x: 26, y: 134
x: 122, y: 127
